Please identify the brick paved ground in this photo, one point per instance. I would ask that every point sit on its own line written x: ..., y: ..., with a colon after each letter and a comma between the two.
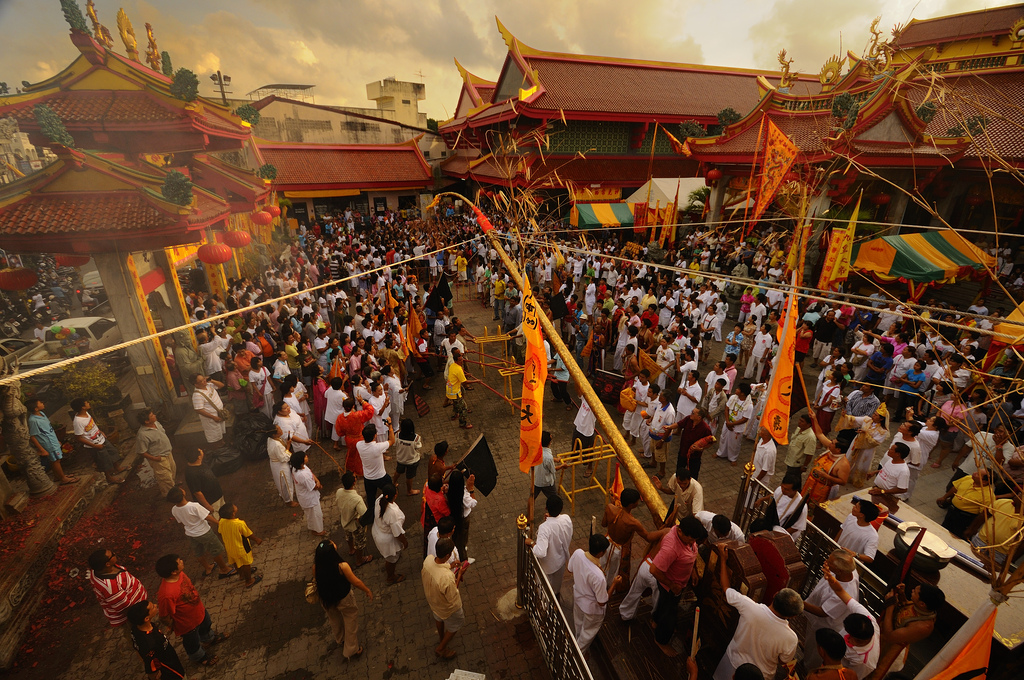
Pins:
x: 276, y: 635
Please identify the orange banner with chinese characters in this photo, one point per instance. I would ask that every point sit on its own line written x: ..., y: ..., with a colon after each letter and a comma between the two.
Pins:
x: 412, y: 332
x: 837, y: 260
x: 780, y: 393
x: 535, y: 373
x: 615, y: 490
x: 779, y: 154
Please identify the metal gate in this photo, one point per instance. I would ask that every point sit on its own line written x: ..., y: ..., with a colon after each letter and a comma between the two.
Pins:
x: 550, y: 627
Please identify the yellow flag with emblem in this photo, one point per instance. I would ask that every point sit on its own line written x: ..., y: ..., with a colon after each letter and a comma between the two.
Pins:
x: 535, y: 373
x: 780, y: 391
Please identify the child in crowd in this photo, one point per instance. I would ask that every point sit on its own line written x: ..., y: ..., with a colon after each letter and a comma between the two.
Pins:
x: 238, y: 539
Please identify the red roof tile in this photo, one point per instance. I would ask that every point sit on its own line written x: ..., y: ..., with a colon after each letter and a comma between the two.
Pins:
x: 972, y: 95
x: 995, y: 21
x: 45, y: 214
x: 95, y: 107
x: 486, y: 92
x: 558, y: 172
x: 352, y: 166
x: 627, y: 88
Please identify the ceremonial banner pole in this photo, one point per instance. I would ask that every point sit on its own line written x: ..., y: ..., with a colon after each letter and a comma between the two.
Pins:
x: 612, y: 434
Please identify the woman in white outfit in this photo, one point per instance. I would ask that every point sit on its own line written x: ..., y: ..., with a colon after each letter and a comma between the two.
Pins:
x: 334, y: 399
x: 307, y: 492
x: 388, y: 532
x: 280, y: 470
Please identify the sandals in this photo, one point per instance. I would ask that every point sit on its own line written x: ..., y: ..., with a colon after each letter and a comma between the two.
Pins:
x: 398, y: 579
x: 209, y: 660
x: 217, y: 639
x: 366, y: 560
x: 446, y: 654
x: 349, y: 658
x: 234, y: 570
x: 467, y: 426
x: 255, y: 580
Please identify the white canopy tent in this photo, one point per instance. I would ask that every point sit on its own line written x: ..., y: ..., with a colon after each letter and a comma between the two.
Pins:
x: 663, y: 190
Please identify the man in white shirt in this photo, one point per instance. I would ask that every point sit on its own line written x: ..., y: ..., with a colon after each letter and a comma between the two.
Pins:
x: 375, y: 477
x: 590, y: 591
x: 765, y: 454
x: 860, y: 630
x: 856, y: 535
x: 720, y: 528
x: 211, y: 350
x: 690, y: 393
x: 763, y: 342
x: 551, y: 548
x: 207, y: 402
x: 823, y: 608
x: 894, y: 477
x: 763, y: 636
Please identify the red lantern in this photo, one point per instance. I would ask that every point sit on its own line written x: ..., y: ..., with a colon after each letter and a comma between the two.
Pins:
x: 237, y: 239
x: 881, y: 199
x: 713, y: 175
x: 71, y: 260
x: 974, y: 200
x: 17, y: 278
x: 214, y: 253
x: 791, y: 177
x: 262, y: 218
x: 274, y: 210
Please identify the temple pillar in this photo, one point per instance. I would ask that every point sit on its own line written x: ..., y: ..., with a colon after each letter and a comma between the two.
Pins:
x: 217, y: 281
x: 817, y: 206
x: 944, y: 207
x: 129, y: 307
x: 175, y: 314
x: 717, y: 198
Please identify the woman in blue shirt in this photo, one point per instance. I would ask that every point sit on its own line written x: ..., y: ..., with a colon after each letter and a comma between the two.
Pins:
x: 45, y: 441
x: 912, y: 384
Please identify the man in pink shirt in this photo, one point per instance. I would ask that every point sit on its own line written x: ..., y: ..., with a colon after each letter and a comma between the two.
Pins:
x: 672, y: 568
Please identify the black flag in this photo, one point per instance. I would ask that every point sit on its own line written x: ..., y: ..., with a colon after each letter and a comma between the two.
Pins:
x: 479, y: 461
x: 440, y: 296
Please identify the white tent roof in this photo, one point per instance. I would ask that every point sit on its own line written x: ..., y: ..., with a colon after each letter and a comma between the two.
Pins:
x: 663, y: 190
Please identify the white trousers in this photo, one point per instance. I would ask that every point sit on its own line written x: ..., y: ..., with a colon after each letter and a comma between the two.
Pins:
x: 641, y: 582
x: 585, y: 626
x: 314, y: 518
x: 730, y: 446
x: 282, y: 474
x: 610, y: 562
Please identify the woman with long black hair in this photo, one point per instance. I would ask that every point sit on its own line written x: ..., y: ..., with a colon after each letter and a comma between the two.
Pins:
x: 334, y: 583
x: 461, y: 502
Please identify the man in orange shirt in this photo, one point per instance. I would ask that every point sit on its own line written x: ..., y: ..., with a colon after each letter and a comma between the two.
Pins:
x: 350, y: 426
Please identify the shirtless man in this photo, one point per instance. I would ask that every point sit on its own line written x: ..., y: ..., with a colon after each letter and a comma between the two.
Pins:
x: 621, y: 525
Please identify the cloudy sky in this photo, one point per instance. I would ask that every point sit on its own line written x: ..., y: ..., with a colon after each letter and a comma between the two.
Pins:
x: 340, y: 45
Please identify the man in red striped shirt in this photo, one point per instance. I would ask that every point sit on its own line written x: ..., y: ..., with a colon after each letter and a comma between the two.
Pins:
x: 114, y: 587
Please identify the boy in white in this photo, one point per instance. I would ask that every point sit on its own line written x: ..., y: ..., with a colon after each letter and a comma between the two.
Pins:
x: 590, y: 591
x: 280, y: 470
x: 552, y: 545
x: 894, y: 477
x: 857, y: 535
x: 763, y: 636
x: 823, y: 608
x: 860, y: 630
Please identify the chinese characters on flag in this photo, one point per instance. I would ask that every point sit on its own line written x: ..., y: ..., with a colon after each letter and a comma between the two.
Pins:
x: 780, y: 395
x: 779, y: 154
x: 837, y: 260
x: 535, y: 373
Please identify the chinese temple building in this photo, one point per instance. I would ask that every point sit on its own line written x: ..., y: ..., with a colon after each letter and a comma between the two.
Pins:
x: 584, y: 126
x: 137, y: 185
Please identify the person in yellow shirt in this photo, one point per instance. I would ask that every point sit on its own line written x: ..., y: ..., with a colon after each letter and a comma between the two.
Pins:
x: 965, y: 501
x: 995, y: 530
x: 238, y: 539
x: 453, y: 389
x: 460, y: 265
x: 499, y: 297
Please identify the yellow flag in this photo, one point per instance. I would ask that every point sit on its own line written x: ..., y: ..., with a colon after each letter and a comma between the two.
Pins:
x: 837, y: 260
x: 535, y: 373
x: 780, y: 395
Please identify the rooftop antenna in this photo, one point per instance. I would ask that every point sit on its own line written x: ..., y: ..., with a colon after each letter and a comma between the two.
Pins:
x: 419, y: 74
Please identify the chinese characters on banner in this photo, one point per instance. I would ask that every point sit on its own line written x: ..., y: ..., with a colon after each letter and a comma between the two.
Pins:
x: 780, y: 394
x: 779, y: 154
x: 535, y: 373
x: 837, y: 260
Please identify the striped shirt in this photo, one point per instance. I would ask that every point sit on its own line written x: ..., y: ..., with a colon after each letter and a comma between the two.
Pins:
x: 117, y: 592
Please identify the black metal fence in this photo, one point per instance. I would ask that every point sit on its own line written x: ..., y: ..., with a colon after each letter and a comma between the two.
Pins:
x: 550, y: 627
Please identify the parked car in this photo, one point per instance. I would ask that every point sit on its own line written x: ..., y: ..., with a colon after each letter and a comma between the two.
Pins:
x: 96, y: 332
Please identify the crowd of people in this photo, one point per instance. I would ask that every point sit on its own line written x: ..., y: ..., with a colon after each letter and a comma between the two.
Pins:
x: 344, y: 328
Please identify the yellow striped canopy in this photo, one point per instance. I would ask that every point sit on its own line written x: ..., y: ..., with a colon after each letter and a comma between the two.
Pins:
x: 930, y: 257
x: 602, y: 215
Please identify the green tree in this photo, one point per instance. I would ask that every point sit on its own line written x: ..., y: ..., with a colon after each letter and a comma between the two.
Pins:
x: 248, y: 113
x: 177, y: 188
x: 728, y: 116
x: 165, y: 64
x: 73, y: 15
x: 691, y: 128
x: 432, y: 124
x: 185, y: 85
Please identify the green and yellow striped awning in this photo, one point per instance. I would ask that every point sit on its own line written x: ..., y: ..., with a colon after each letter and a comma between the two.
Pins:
x: 601, y: 215
x: 930, y: 257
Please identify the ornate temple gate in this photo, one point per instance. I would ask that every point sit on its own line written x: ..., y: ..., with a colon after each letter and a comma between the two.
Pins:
x: 550, y: 626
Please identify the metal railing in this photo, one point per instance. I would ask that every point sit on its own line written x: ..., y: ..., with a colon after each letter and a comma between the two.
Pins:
x: 550, y: 627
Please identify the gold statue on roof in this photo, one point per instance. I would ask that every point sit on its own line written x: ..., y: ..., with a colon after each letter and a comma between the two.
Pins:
x: 787, y: 78
x: 100, y: 31
x: 831, y: 71
x: 124, y: 27
x: 880, y: 51
x: 153, y: 52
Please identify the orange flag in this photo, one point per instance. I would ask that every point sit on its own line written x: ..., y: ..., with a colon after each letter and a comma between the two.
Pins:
x: 412, y: 332
x: 779, y: 154
x: 971, y: 645
x: 617, y: 486
x: 780, y: 391
x: 535, y: 373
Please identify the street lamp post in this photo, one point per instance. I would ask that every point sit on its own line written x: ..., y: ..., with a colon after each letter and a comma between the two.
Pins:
x: 221, y: 81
